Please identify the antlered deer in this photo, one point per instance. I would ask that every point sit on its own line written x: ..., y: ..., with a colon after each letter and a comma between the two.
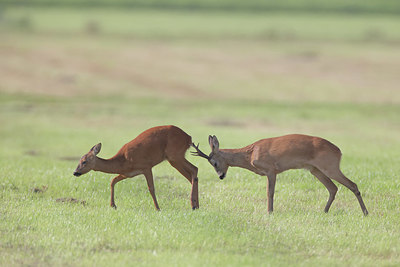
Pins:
x: 271, y: 156
x: 141, y: 154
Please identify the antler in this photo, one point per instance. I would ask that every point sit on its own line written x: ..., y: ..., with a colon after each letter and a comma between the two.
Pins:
x: 198, y: 152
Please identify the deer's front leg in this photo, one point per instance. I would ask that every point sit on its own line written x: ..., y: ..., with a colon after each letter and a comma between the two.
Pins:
x: 150, y: 183
x: 263, y: 168
x: 271, y: 191
x: 113, y: 182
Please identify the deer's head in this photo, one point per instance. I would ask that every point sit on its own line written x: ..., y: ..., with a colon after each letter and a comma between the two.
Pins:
x: 87, y: 162
x: 215, y: 158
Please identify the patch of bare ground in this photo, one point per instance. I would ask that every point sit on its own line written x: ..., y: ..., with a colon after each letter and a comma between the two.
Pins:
x: 71, y: 200
x: 33, y: 153
x: 164, y: 177
x: 41, y: 189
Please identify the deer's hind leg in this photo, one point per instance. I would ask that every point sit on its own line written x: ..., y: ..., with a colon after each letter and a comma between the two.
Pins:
x: 330, y: 186
x: 189, y: 171
x: 333, y: 172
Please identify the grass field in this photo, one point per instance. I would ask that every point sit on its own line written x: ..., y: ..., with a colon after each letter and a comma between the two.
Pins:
x: 69, y: 80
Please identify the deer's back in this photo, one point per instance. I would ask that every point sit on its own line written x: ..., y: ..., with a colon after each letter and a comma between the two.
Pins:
x: 156, y: 144
x: 295, y: 150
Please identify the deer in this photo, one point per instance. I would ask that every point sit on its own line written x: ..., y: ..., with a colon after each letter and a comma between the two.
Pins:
x: 140, y: 155
x: 271, y: 156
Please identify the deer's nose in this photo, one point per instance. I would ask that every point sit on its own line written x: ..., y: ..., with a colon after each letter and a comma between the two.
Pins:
x: 77, y: 174
x: 222, y: 176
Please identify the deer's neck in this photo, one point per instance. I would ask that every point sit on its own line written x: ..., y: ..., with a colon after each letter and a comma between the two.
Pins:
x: 240, y: 157
x: 112, y: 165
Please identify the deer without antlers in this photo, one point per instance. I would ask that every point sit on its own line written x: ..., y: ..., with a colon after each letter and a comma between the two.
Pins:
x: 269, y: 157
x: 141, y: 154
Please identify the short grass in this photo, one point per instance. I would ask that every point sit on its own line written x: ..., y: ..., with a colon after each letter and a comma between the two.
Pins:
x: 60, y: 95
x: 230, y: 228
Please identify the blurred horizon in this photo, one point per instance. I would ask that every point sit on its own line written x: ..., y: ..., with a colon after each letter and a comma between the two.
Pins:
x: 339, y: 6
x: 295, y: 51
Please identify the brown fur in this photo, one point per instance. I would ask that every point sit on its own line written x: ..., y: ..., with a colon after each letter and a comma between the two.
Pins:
x: 272, y: 156
x: 141, y: 154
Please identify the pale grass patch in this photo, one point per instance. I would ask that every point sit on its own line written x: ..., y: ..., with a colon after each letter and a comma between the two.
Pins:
x: 184, y: 70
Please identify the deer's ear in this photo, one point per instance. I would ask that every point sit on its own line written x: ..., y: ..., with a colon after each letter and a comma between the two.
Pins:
x: 210, y: 141
x: 96, y: 149
x: 214, y: 144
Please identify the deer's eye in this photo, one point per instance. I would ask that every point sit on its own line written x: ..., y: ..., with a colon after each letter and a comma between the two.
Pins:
x: 215, y: 164
x: 84, y: 162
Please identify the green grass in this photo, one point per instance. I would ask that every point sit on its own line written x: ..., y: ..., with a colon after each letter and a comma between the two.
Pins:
x: 63, y: 90
x: 231, y: 227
